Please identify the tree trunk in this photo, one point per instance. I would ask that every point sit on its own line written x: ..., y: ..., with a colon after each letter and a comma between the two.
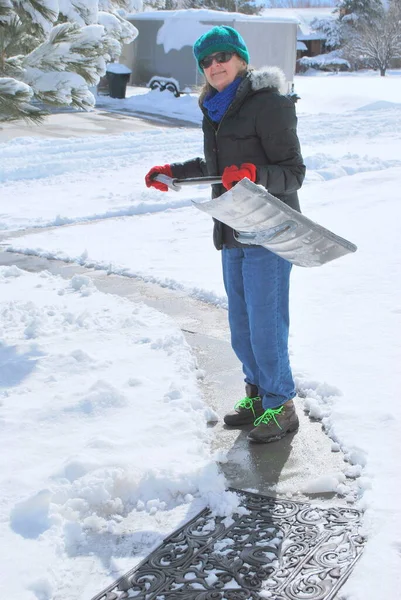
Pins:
x: 382, y: 71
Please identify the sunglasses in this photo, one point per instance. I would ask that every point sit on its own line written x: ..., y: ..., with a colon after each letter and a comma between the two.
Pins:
x: 219, y: 57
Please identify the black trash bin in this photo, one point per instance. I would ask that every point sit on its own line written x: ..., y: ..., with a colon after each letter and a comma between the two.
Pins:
x: 117, y: 78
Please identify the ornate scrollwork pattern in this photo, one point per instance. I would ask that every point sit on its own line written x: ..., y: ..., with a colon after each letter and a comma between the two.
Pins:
x: 290, y: 549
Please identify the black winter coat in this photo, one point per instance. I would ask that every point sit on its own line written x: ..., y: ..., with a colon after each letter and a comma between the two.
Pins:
x: 259, y: 127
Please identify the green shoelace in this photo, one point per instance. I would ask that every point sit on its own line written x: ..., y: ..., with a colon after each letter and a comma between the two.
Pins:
x: 269, y: 415
x: 247, y: 403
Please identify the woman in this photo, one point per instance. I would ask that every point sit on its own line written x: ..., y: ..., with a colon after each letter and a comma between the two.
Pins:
x: 249, y: 131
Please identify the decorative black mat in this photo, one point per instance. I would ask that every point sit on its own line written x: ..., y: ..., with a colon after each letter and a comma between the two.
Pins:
x: 278, y: 549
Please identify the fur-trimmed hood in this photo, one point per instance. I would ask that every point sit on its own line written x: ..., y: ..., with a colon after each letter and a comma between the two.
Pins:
x: 268, y: 78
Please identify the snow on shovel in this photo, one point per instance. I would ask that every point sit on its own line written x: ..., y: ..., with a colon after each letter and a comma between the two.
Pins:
x: 260, y: 218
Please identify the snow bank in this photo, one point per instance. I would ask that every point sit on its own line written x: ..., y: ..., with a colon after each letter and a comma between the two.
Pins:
x: 105, y: 430
x: 155, y: 102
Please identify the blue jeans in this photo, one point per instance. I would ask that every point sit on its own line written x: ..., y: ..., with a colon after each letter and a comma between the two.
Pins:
x: 257, y: 285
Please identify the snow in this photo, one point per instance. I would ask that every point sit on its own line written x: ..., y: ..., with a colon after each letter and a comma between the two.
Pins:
x: 118, y: 68
x: 157, y: 102
x: 183, y: 27
x: 64, y: 85
x: 324, y: 60
x: 352, y: 93
x: 73, y: 11
x: 104, y: 474
x: 89, y: 35
x: 209, y: 16
x: 340, y: 94
x: 117, y: 27
x: 304, y: 18
x: 6, y: 4
x: 12, y: 87
x: 174, y: 34
x: 82, y: 466
x: 50, y: 5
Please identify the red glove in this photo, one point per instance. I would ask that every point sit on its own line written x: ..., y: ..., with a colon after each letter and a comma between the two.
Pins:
x: 233, y: 174
x: 150, y: 182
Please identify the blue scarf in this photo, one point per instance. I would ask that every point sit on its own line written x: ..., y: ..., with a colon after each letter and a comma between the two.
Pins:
x: 217, y: 103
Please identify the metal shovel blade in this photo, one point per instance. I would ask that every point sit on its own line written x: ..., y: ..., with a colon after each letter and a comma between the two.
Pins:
x: 262, y: 219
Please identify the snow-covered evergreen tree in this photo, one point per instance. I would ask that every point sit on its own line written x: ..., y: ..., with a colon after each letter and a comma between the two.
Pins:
x: 357, y: 12
x: 331, y: 30
x: 52, y: 50
x: 247, y: 7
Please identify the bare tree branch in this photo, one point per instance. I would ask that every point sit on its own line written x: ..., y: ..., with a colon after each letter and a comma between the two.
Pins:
x: 377, y: 45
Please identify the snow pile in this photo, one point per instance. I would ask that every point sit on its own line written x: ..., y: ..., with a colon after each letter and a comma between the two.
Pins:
x: 105, y: 428
x: 331, y: 61
x: 156, y: 102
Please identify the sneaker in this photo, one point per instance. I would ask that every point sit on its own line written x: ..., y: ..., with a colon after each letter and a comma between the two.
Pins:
x: 274, y: 424
x: 245, y: 412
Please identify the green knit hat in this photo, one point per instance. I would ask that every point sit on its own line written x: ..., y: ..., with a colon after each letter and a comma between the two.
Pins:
x: 220, y: 39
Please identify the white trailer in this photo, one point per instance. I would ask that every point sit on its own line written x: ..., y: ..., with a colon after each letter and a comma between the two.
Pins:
x: 162, y: 55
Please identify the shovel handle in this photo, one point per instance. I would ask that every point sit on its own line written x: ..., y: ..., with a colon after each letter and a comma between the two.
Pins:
x: 176, y: 184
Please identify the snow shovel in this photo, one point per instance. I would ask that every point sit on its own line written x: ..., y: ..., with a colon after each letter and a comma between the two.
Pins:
x: 259, y: 218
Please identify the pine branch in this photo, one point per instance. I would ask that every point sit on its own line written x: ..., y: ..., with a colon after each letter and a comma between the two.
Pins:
x: 84, y: 14
x: 5, y: 9
x: 12, y: 67
x: 80, y: 100
x: 89, y: 72
x: 69, y: 92
x: 32, y: 10
x: 55, y: 63
x: 78, y: 12
x: 51, y: 55
x: 15, y: 40
x: 15, y: 102
x: 65, y: 32
x: 118, y: 32
x: 110, y: 5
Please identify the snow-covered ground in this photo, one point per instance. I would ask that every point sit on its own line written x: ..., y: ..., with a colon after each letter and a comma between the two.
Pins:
x: 94, y: 444
x: 87, y: 426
